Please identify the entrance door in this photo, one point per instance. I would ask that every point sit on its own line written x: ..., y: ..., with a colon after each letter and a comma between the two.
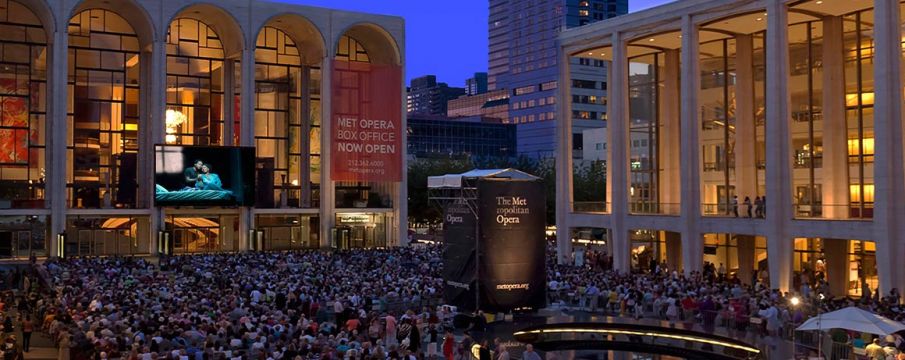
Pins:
x: 342, y: 237
x: 6, y: 244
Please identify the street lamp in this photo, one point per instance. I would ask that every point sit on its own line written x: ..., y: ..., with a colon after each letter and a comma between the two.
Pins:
x: 794, y: 301
x: 819, y: 331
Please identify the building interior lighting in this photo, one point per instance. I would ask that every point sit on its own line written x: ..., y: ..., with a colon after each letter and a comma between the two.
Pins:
x: 174, y: 119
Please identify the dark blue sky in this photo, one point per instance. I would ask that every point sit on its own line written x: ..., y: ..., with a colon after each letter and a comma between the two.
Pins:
x: 447, y: 38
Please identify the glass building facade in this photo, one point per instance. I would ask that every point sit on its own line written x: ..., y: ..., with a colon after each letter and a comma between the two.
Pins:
x: 790, y: 120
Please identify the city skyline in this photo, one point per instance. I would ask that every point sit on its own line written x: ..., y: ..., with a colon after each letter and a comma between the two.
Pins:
x: 453, y: 54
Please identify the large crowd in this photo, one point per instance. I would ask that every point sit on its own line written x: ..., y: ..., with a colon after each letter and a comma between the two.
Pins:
x: 362, y: 304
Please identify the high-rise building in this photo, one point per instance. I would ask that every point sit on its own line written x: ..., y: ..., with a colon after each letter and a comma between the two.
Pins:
x: 427, y: 96
x: 434, y: 136
x: 491, y: 104
x: 522, y: 58
x: 477, y: 84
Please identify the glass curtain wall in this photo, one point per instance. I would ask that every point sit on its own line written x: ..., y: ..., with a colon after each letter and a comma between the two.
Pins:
x: 289, y: 232
x: 859, y: 114
x: 717, y: 101
x: 103, y: 235
x: 760, y: 111
x: 103, y: 126
x: 283, y: 115
x: 22, y: 236
x: 23, y: 92
x: 195, y: 84
x: 806, y: 89
x: 644, y: 133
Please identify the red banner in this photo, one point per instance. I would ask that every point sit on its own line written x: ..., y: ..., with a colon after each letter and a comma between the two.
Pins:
x: 366, y: 124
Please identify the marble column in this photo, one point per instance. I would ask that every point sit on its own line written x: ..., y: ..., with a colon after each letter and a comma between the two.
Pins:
x: 834, y: 178
x: 745, y: 245
x: 156, y: 91
x: 246, y: 133
x: 745, y: 130
x: 57, y: 135
x: 889, y: 209
x: 617, y: 128
x: 670, y: 143
x: 779, y: 170
x: 837, y: 275
x: 692, y: 241
x: 328, y: 203
x: 673, y: 250
x: 564, y: 185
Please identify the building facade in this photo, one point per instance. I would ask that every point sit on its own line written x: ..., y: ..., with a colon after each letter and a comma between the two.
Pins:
x: 492, y: 104
x: 792, y: 106
x: 477, y: 84
x: 92, y: 86
x: 522, y: 58
x: 441, y: 137
x: 428, y: 97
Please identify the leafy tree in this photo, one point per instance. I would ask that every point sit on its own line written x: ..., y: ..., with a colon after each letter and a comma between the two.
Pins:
x: 589, y: 181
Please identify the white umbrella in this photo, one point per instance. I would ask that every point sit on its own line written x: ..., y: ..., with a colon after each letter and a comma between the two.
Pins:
x: 854, y: 319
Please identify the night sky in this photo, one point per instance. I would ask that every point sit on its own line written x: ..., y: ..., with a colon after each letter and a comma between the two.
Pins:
x: 447, y: 38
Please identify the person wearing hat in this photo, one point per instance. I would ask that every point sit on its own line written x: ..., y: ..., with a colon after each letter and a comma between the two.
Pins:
x: 875, y: 351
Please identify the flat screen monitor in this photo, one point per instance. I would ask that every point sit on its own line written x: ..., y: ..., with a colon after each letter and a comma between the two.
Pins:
x: 204, y: 175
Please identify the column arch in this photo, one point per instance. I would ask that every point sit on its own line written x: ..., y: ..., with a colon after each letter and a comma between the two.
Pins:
x: 202, y: 43
x: 287, y: 115
x: 380, y: 46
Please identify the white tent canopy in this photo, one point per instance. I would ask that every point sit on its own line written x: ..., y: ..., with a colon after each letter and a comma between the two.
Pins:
x: 854, y: 319
x: 453, y: 181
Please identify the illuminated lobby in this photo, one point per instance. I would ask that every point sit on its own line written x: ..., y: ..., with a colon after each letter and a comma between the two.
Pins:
x: 712, y: 102
x: 89, y: 88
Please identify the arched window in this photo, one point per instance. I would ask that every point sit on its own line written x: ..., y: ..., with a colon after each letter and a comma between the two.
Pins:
x: 287, y: 107
x: 195, y: 84
x: 23, y: 71
x: 103, y: 113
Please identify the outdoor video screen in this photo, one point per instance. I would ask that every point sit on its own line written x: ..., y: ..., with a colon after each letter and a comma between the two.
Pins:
x: 202, y: 175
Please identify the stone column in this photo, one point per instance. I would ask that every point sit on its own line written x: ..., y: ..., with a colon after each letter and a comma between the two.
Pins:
x: 836, y: 252
x: 835, y: 138
x: 745, y: 131
x: 673, y: 250
x: 617, y: 128
x: 670, y: 144
x: 889, y: 210
x: 745, y: 249
x: 328, y: 203
x: 692, y: 241
x: 155, y: 91
x: 229, y: 94
x: 563, y: 163
x: 246, y: 131
x: 56, y: 136
x: 779, y: 170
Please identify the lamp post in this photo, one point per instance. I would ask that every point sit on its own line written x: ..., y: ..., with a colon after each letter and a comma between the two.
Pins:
x: 794, y: 302
x: 820, y: 298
